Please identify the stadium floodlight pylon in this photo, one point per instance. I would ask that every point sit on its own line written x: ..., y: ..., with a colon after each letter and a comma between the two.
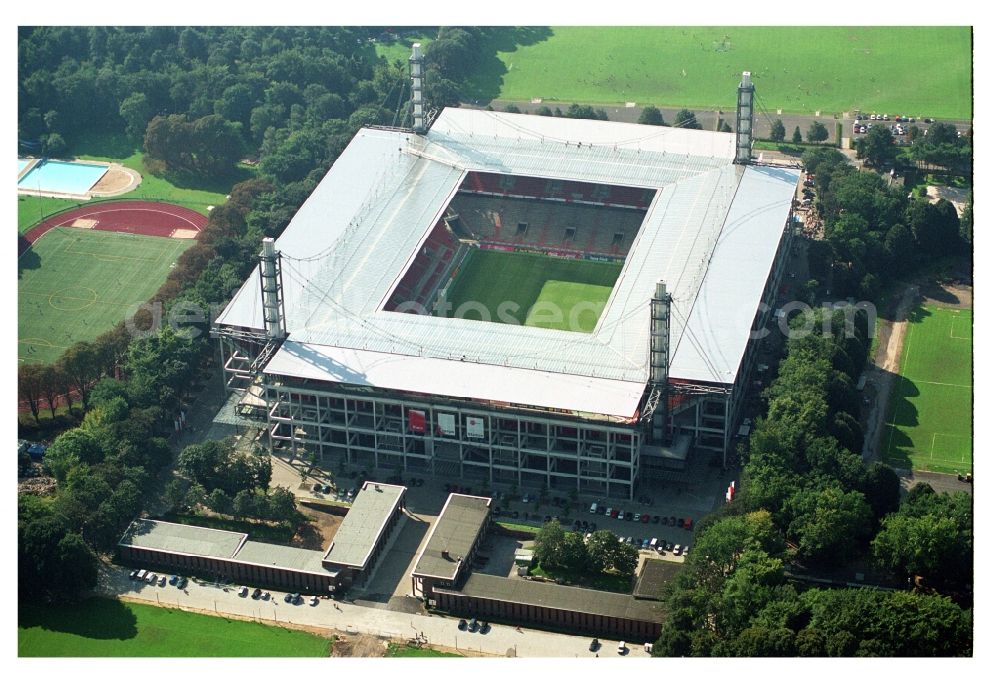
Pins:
x: 744, y: 120
x: 416, y: 86
x: 659, y: 358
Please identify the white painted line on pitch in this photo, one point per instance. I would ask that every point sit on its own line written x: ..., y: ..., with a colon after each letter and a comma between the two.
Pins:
x: 932, y: 382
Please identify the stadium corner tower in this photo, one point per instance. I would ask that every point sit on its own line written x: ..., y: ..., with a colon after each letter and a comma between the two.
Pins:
x: 347, y: 342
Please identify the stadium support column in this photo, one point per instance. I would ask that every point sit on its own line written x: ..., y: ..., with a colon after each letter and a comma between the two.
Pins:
x: 416, y: 83
x: 744, y: 120
x: 659, y: 358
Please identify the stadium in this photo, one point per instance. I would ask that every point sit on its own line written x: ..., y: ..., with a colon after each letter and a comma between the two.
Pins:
x: 516, y: 300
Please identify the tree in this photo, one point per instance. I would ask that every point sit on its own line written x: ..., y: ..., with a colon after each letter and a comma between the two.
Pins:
x: 686, y: 119
x: 53, y: 145
x: 601, y: 550
x: 777, y: 131
x: 544, y: 111
x: 797, y: 135
x: 828, y: 523
x: 625, y: 558
x: 69, y: 449
x: 81, y: 365
x: 652, y: 115
x: 176, y: 494
x: 511, y: 108
x: 877, y: 147
x: 219, y: 502
x: 573, y: 552
x: 29, y: 385
x: 136, y: 111
x: 817, y: 132
x: 548, y: 542
x: 53, y: 563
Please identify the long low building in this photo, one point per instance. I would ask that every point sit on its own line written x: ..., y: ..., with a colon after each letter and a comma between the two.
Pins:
x: 366, y: 530
x: 586, y: 611
x: 201, y: 551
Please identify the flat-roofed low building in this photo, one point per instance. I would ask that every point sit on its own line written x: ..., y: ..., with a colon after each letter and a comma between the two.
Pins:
x: 654, y: 578
x: 575, y: 609
x: 210, y: 552
x: 453, y: 542
x: 365, y: 531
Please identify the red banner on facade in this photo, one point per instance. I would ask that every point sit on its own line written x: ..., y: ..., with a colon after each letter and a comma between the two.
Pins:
x: 418, y: 421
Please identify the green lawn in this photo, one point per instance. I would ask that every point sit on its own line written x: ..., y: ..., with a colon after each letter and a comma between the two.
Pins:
x: 532, y: 289
x: 930, y: 417
x: 111, y: 148
x: 75, y: 284
x: 100, y: 627
x: 802, y: 69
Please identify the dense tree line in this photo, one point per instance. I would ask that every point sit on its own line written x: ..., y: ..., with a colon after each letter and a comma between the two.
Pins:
x: 874, y: 233
x: 808, y: 498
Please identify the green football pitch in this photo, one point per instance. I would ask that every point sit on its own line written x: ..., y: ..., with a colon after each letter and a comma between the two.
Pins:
x: 833, y: 69
x: 930, y: 417
x: 100, y: 627
x: 532, y: 290
x: 75, y: 284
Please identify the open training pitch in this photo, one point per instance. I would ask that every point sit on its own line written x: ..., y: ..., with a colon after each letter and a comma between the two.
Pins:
x: 795, y: 68
x: 533, y: 290
x: 930, y: 417
x: 101, y: 627
x: 75, y: 284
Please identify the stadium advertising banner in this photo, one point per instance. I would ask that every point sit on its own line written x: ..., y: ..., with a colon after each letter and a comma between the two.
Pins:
x: 418, y: 421
x: 474, y: 428
x: 446, y: 423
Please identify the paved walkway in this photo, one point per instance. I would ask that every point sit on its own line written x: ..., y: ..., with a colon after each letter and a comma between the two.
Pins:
x: 349, y: 619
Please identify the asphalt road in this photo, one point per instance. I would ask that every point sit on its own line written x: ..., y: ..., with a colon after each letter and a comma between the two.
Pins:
x: 347, y: 618
x: 709, y: 118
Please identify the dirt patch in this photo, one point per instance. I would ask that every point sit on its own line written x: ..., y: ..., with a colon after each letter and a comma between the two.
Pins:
x: 359, y: 646
x: 318, y: 532
x: 117, y: 180
x: 84, y: 223
x: 947, y: 295
x: 184, y: 234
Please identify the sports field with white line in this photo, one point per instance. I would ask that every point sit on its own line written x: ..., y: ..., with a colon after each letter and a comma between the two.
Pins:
x: 930, y: 418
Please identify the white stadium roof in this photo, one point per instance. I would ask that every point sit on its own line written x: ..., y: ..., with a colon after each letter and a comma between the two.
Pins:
x: 711, y: 232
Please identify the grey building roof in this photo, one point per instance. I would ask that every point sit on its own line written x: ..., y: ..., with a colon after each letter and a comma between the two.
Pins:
x: 711, y: 233
x: 279, y: 556
x: 655, y: 574
x: 549, y: 595
x: 366, y: 519
x: 455, y: 531
x: 183, y: 539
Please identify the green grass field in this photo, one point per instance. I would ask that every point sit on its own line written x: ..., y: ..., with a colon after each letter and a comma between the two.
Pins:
x: 396, y: 650
x: 930, y: 417
x: 533, y: 290
x: 913, y: 70
x: 75, y: 284
x: 101, y: 627
x: 105, y: 148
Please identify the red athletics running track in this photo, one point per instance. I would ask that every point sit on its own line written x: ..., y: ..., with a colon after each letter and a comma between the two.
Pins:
x: 142, y: 218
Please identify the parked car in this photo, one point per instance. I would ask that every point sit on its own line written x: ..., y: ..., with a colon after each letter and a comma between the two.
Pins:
x: 266, y: 596
x: 608, y: 512
x: 645, y: 543
x: 462, y: 624
x: 296, y: 597
x: 628, y: 540
x: 244, y: 591
x: 621, y: 648
x: 595, y: 645
x: 256, y: 594
x: 672, y: 522
x: 656, y: 518
x: 484, y: 628
x: 288, y: 598
x: 182, y: 582
x: 687, y: 548
x: 680, y: 522
x: 677, y: 550
x: 173, y: 580
x: 628, y: 516
x: 637, y: 517
x: 162, y: 581
x: 151, y: 578
x: 645, y: 518
x: 473, y: 625
x: 614, y: 514
x: 314, y: 601
x: 621, y: 515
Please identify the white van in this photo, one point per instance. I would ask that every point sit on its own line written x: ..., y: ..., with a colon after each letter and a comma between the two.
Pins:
x: 593, y: 508
x: 621, y: 647
x: 652, y: 543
